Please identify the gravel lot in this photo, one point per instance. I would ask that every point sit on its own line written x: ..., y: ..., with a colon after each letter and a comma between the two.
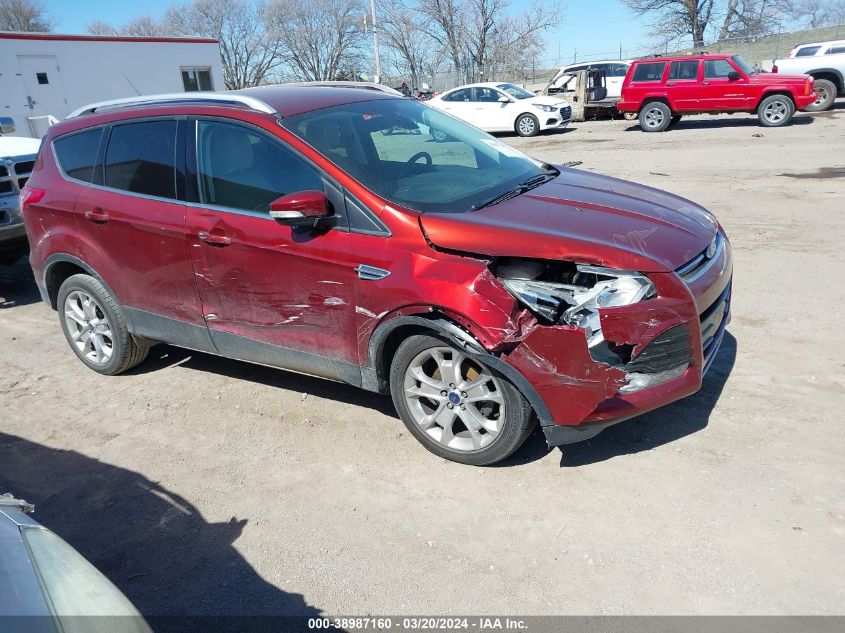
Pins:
x: 206, y: 486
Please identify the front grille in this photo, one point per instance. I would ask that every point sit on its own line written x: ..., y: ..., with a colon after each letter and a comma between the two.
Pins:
x: 713, y: 322
x: 13, y: 176
x: 701, y: 263
x: 566, y: 112
x: 667, y: 351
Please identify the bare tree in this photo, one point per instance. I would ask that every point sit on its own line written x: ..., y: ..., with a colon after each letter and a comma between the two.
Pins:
x: 318, y: 40
x: 24, y: 15
x: 144, y: 25
x: 817, y: 13
x: 676, y: 19
x: 248, y: 53
x: 445, y: 25
x: 752, y: 18
x: 100, y: 27
x: 406, y: 42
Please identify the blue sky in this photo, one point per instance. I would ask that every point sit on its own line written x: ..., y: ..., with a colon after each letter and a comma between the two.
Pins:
x: 593, y: 28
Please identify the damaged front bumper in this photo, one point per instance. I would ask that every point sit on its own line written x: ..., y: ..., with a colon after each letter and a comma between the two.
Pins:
x: 658, y: 352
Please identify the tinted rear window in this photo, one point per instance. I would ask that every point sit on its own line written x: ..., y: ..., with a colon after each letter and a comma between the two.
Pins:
x: 649, y: 72
x: 836, y: 50
x: 141, y: 158
x: 77, y: 154
x: 684, y: 71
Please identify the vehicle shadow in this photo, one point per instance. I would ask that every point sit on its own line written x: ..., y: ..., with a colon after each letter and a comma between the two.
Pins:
x: 736, y: 121
x: 661, y: 426
x: 181, y: 571
x: 17, y: 285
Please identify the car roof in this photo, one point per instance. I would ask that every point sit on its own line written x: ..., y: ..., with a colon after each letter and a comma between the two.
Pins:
x: 675, y: 58
x: 627, y: 62
x: 827, y: 43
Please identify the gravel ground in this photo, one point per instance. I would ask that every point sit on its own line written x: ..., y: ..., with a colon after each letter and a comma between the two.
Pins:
x: 206, y: 486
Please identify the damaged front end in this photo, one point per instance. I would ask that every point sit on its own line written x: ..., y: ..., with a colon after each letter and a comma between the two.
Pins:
x: 608, y: 344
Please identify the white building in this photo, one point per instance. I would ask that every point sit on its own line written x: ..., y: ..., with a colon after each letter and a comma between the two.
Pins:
x: 44, y: 76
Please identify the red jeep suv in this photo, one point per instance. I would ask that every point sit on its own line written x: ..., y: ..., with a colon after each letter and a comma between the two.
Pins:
x: 325, y: 230
x: 663, y: 89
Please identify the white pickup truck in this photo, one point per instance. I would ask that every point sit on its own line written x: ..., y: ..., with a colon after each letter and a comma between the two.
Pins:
x: 17, y: 156
x: 825, y: 62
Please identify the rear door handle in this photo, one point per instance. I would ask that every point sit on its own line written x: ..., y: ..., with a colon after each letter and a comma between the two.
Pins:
x: 216, y: 240
x: 97, y: 215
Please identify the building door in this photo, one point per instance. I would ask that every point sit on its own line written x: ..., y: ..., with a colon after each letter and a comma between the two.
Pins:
x: 45, y: 92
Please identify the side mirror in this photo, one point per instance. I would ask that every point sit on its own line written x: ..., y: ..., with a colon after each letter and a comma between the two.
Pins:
x: 734, y: 76
x: 300, y: 208
x: 504, y: 99
x: 7, y: 125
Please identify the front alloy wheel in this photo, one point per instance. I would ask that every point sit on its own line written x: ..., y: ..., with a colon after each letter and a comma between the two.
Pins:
x: 457, y: 407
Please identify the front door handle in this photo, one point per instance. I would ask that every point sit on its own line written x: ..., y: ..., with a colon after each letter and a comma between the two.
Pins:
x: 97, y: 216
x: 216, y: 240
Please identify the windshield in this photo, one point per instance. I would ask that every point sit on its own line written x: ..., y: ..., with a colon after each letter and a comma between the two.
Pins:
x: 515, y: 91
x: 415, y: 156
x: 747, y: 68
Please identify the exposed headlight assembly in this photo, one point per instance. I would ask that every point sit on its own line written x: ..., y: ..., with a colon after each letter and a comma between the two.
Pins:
x: 545, y: 108
x: 577, y: 303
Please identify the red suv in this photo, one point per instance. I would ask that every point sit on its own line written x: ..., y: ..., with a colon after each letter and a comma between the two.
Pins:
x: 325, y: 230
x: 662, y: 90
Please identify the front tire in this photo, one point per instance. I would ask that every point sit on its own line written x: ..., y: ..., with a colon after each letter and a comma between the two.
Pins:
x: 456, y: 407
x: 527, y: 125
x: 95, y: 327
x: 775, y: 111
x: 655, y: 117
x: 826, y: 92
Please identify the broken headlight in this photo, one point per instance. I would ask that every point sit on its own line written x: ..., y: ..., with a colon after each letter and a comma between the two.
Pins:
x: 576, y: 299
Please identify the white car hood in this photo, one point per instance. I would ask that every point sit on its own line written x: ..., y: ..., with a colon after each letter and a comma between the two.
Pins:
x: 11, y: 146
x: 549, y: 101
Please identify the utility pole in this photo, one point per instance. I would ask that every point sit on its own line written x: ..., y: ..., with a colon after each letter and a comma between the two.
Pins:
x: 375, y: 42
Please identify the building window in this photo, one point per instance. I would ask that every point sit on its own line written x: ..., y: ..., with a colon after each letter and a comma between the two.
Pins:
x: 194, y: 79
x: 42, y: 78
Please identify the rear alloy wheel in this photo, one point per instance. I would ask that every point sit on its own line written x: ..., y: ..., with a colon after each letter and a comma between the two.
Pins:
x: 775, y: 111
x: 527, y: 125
x: 655, y: 117
x: 455, y: 406
x: 95, y: 326
x: 825, y: 96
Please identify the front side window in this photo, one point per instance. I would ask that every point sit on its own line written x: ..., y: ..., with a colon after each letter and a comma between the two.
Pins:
x: 807, y: 51
x: 652, y: 71
x: 415, y: 156
x: 77, y: 154
x: 194, y: 79
x: 141, y: 158
x: 717, y: 69
x: 487, y: 95
x: 240, y: 168
x: 683, y: 71
x: 617, y: 70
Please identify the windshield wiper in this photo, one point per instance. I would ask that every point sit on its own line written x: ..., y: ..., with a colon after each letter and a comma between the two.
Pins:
x: 527, y: 185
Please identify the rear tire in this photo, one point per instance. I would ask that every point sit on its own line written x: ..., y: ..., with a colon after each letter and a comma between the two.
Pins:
x: 826, y: 92
x: 482, y: 418
x: 630, y: 116
x: 95, y: 327
x: 655, y: 116
x: 775, y: 111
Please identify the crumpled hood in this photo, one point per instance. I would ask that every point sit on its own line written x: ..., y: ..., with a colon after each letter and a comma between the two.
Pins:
x: 582, y: 217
